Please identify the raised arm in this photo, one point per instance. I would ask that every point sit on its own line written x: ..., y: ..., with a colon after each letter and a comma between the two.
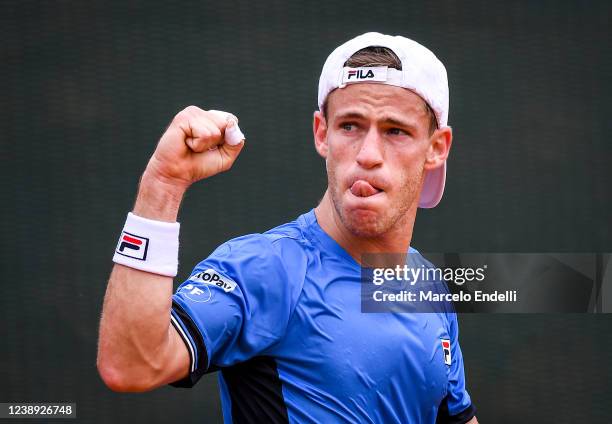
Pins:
x: 138, y: 348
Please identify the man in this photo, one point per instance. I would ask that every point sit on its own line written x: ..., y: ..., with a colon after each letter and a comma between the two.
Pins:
x: 278, y: 313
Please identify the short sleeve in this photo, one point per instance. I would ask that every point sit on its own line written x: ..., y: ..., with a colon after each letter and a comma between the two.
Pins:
x: 237, y: 302
x: 456, y: 407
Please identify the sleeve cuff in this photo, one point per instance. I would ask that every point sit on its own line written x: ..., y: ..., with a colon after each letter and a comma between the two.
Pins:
x: 462, y: 417
x: 192, y: 337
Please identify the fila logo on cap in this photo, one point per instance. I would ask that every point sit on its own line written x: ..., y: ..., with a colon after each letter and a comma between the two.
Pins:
x: 133, y: 246
x: 364, y: 74
x: 360, y: 73
x: 447, y: 351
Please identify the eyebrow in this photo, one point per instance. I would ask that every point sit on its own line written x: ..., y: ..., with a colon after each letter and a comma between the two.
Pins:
x: 385, y: 119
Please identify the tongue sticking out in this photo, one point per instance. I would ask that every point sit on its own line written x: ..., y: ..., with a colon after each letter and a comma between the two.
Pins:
x: 361, y: 188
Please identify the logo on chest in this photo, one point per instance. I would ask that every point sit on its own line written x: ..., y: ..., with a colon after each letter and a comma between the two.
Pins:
x: 446, y: 350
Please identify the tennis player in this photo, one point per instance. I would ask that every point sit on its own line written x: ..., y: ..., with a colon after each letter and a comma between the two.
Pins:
x: 278, y: 314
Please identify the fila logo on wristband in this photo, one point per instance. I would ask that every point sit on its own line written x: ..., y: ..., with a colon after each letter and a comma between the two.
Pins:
x: 133, y: 246
x: 156, y: 253
x: 446, y: 350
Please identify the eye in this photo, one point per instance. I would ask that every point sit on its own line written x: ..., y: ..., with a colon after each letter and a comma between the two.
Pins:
x: 397, y: 131
x: 348, y: 126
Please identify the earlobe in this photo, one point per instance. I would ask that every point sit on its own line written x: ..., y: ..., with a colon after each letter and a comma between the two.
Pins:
x: 319, y: 129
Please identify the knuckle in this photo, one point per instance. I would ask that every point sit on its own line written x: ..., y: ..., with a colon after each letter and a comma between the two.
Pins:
x: 191, y: 109
x: 204, y: 133
x: 216, y: 133
x: 179, y: 117
x: 185, y: 114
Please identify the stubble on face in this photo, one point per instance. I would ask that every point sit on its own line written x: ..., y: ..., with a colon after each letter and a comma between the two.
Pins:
x: 402, y: 195
x: 370, y: 224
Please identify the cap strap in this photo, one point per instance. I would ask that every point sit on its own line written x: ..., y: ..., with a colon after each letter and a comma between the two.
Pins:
x: 380, y: 74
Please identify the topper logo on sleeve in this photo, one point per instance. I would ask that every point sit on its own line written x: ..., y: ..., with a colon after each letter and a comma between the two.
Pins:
x: 447, y: 351
x: 210, y: 276
x: 378, y: 73
x: 133, y: 246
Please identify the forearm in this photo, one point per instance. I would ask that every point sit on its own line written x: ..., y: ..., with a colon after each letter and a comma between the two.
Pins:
x: 157, y: 198
x: 135, y: 339
x: 138, y: 347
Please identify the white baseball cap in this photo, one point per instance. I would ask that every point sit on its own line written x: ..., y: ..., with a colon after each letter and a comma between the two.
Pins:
x: 421, y: 73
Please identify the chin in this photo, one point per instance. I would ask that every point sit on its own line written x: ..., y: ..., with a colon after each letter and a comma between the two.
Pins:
x: 363, y: 222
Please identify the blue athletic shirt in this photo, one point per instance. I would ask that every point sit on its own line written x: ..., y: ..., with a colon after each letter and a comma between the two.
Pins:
x: 279, y: 315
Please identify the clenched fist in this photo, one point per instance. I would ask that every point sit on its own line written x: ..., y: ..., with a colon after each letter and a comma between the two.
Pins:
x: 195, y: 147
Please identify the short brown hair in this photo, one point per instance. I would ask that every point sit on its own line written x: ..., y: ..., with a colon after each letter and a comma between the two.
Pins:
x: 381, y: 56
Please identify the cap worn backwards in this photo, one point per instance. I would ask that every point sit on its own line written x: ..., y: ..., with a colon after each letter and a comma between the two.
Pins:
x: 421, y: 73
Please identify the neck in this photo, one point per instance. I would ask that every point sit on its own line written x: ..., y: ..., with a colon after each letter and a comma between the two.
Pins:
x: 395, y: 240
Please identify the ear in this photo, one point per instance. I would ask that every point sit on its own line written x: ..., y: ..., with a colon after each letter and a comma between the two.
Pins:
x: 319, y: 129
x: 439, y: 148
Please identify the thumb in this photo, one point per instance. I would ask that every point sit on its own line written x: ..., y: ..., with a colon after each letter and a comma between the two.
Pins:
x: 229, y: 153
x: 233, y: 134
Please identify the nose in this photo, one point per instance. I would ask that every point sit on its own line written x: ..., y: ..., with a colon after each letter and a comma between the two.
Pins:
x: 370, y: 152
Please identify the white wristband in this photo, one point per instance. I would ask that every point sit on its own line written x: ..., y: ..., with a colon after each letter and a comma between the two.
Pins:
x: 149, y: 245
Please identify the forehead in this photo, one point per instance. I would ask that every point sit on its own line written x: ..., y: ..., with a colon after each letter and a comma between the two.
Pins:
x: 375, y: 99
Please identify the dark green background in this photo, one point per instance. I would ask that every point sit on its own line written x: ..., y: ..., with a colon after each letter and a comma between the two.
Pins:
x: 88, y: 87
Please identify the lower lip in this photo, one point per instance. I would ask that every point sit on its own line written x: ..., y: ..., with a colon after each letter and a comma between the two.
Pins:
x: 373, y: 196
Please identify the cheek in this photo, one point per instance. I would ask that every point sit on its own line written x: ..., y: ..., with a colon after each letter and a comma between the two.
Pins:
x: 334, y: 174
x: 408, y: 170
x: 414, y: 157
x: 339, y: 156
x: 339, y: 149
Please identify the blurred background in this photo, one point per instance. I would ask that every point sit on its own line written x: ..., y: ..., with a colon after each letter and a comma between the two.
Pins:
x: 88, y: 87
